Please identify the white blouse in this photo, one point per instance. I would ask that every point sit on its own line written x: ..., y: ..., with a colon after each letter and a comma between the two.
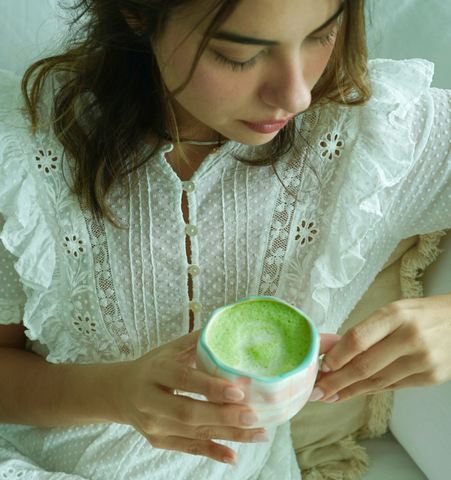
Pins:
x: 362, y: 179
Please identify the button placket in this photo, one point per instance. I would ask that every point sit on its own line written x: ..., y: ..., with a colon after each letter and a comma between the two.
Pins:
x: 193, y: 270
x: 191, y: 230
x: 189, y: 186
x: 195, y: 307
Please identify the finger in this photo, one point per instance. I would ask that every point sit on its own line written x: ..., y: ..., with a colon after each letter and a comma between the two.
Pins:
x: 205, y: 448
x: 193, y: 412
x: 168, y: 427
x: 186, y: 342
x: 328, y: 340
x: 360, y: 338
x: 367, y: 365
x: 418, y: 380
x: 175, y: 376
x: 395, y: 373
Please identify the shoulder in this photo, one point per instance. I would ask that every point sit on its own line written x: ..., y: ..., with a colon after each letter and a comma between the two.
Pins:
x: 398, y: 88
x: 405, y: 112
x: 407, y: 76
x: 31, y: 181
x: 381, y: 141
x: 27, y: 157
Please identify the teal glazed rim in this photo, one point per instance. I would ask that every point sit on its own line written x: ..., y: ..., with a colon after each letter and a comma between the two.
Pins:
x: 313, y: 350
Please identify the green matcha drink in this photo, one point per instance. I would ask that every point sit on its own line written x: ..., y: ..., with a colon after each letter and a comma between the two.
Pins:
x: 260, y: 337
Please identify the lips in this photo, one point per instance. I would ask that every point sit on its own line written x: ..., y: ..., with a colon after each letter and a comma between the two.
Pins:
x: 276, y: 121
x: 271, y: 128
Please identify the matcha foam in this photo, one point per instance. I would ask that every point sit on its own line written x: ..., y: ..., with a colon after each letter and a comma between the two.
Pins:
x: 260, y: 337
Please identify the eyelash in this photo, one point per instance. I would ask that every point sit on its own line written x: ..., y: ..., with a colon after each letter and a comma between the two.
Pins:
x: 324, y: 41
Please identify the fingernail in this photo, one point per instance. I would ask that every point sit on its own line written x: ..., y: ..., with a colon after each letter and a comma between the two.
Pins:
x: 317, y: 393
x: 332, y: 399
x: 325, y: 368
x: 231, y: 393
x: 260, y: 438
x: 249, y: 418
x: 229, y: 461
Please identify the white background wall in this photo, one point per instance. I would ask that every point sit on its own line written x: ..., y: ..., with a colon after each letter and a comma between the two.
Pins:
x: 401, y: 29
x: 28, y: 29
x: 397, y: 29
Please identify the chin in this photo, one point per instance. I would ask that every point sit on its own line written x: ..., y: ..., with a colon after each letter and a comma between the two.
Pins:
x: 258, y: 140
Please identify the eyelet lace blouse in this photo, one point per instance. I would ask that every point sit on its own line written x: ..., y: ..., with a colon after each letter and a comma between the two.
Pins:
x: 363, y: 179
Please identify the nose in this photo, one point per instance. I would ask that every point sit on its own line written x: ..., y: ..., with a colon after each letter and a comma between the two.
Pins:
x: 288, y: 89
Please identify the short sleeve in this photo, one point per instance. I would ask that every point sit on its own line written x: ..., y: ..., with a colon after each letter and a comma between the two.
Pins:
x: 423, y: 202
x: 26, y: 266
x: 12, y: 296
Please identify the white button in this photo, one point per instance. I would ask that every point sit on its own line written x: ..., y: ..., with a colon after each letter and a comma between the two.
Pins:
x: 195, y: 307
x: 191, y: 230
x: 194, y: 270
x: 188, y: 186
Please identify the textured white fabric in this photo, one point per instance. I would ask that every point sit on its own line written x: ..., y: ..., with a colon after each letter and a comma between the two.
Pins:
x: 371, y: 176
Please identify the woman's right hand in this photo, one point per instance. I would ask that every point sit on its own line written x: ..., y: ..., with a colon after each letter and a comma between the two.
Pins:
x: 145, y: 398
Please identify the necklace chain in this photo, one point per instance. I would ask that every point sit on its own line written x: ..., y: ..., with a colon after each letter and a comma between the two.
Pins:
x: 190, y: 142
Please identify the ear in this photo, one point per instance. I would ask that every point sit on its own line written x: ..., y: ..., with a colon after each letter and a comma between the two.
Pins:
x: 134, y: 20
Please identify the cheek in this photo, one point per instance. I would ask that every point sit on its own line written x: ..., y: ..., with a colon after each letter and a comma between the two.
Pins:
x: 215, y: 85
x: 318, y: 64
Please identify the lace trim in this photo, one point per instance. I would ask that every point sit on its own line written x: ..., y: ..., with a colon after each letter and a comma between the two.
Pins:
x: 108, y: 305
x: 297, y: 222
x: 66, y: 222
x: 282, y: 220
x: 84, y: 321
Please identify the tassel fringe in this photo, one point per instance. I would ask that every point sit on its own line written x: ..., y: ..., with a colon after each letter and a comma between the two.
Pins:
x: 357, y: 463
x: 416, y: 260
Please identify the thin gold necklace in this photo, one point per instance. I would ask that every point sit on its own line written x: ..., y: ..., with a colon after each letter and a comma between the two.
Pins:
x: 190, y: 142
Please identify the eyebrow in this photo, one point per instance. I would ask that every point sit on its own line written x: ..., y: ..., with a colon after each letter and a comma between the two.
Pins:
x: 231, y: 37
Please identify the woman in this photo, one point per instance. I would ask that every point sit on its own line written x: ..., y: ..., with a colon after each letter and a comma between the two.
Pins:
x: 118, y: 241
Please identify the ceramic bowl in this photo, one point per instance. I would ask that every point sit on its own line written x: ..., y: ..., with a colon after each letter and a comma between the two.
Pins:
x: 278, y: 398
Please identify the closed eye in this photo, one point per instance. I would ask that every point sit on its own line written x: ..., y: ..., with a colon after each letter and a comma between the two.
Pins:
x: 236, y: 65
x: 325, y: 40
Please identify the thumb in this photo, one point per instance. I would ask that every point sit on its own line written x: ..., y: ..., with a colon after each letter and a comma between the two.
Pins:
x: 184, y: 348
x: 328, y: 340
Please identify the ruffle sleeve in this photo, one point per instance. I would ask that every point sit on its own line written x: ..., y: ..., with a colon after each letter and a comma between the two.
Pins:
x: 12, y: 296
x: 383, y: 152
x: 25, y: 233
x: 40, y: 212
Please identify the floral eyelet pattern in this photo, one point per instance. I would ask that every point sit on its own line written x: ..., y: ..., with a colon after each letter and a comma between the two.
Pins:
x: 331, y: 146
x: 46, y: 161
x: 85, y: 325
x: 306, y: 233
x: 73, y: 246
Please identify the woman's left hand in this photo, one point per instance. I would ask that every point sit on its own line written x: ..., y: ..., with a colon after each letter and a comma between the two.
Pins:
x: 404, y: 344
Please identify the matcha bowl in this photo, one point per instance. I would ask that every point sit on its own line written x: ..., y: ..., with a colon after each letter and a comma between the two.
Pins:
x: 266, y: 347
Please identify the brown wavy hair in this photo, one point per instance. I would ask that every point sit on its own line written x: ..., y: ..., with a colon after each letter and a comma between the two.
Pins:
x: 113, y: 84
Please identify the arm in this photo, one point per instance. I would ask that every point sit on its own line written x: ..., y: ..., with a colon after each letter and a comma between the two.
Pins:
x: 139, y: 393
x: 36, y: 392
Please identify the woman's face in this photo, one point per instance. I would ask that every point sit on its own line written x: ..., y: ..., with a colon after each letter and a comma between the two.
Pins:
x: 274, y: 85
